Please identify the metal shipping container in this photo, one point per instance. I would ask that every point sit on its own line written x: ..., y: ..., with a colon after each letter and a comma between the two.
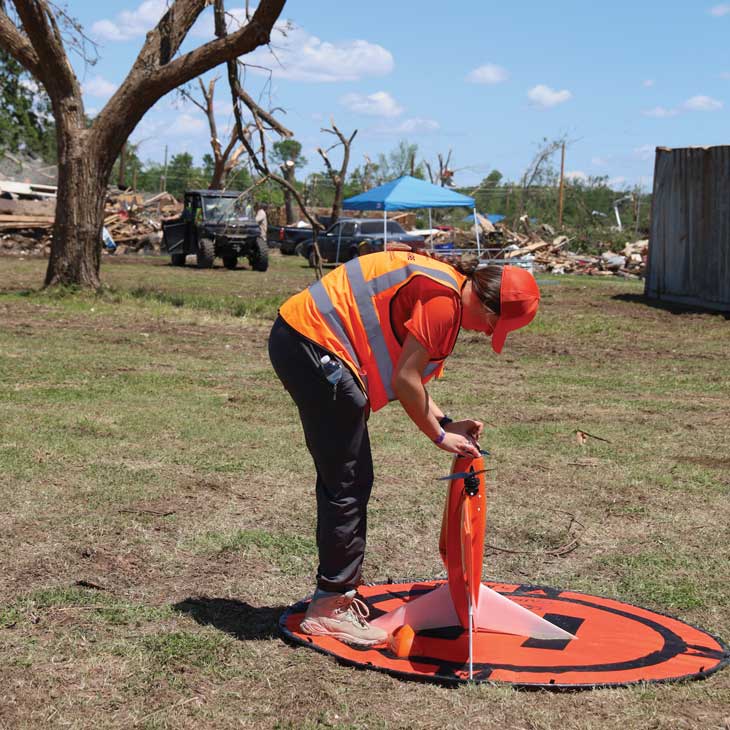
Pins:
x: 689, y: 251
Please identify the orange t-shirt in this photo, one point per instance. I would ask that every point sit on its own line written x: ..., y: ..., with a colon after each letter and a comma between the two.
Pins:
x: 430, y: 312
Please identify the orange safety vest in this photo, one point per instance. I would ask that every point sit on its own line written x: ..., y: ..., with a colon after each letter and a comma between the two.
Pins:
x: 348, y: 313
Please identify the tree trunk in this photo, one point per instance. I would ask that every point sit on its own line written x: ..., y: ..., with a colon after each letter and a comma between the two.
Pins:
x: 218, y: 180
x: 339, y: 195
x: 82, y: 180
x: 288, y: 198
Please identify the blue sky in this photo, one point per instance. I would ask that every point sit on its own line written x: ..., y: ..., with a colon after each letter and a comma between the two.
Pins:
x: 487, y: 80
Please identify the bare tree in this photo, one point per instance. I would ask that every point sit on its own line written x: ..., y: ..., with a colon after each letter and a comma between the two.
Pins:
x: 367, y: 175
x: 338, y: 177
x: 86, y: 154
x: 445, y: 176
x: 537, y: 169
x: 287, y: 154
x: 263, y: 123
x: 224, y: 159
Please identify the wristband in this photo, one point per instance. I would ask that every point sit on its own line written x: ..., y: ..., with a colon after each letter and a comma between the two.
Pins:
x: 444, y: 421
x: 438, y: 441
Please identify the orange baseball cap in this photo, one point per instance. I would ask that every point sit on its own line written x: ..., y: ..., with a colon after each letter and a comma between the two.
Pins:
x: 519, y: 299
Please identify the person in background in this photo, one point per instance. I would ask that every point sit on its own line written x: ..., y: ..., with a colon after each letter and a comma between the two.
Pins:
x: 262, y: 220
x: 371, y: 331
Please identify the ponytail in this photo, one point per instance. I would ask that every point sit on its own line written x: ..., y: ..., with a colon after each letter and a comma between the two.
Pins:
x: 485, y: 280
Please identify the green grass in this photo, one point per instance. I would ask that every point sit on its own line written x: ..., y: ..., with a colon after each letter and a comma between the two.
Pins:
x: 146, y: 447
x: 290, y: 553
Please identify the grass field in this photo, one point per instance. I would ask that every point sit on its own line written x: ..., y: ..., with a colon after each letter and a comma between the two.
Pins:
x: 156, y: 501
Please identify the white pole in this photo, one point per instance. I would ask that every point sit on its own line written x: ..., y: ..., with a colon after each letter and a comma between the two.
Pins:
x: 430, y: 228
x: 385, y: 230
x: 476, y: 228
x: 471, y: 641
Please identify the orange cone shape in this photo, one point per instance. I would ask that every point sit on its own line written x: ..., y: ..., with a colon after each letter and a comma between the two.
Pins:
x: 465, y: 600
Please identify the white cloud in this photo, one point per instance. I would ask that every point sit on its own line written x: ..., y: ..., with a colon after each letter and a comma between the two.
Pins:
x: 411, y: 126
x: 576, y: 175
x: 186, y: 124
x: 617, y: 183
x: 545, y: 97
x: 130, y: 24
x: 702, y: 104
x: 719, y: 10
x: 697, y: 103
x: 645, y: 152
x: 379, y: 104
x: 648, y: 83
x: 417, y: 126
x: 99, y: 87
x: 660, y: 112
x: 299, y: 56
x: 490, y: 73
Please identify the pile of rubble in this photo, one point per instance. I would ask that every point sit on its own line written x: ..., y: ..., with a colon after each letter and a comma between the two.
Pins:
x: 630, y: 262
x: 135, y: 224
x: 131, y: 222
x: 25, y: 225
x: 540, y: 249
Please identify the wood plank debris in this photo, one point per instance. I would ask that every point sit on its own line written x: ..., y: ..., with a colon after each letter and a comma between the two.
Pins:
x: 133, y: 222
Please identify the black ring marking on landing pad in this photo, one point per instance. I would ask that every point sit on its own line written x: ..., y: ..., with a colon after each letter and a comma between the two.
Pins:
x: 445, y: 671
x: 673, y: 644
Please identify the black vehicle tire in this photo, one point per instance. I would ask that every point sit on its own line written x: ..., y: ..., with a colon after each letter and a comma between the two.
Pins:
x: 364, y: 248
x: 259, y: 257
x: 177, y: 259
x: 230, y: 262
x: 206, y: 253
x: 312, y: 259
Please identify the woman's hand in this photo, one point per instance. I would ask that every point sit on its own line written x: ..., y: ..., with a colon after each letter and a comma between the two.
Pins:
x: 467, y: 428
x: 457, y: 443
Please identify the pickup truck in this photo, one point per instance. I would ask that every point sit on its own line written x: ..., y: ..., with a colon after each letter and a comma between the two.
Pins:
x: 287, y: 238
x: 351, y: 237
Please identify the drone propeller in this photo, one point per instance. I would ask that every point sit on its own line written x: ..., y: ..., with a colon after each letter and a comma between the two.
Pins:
x: 462, y: 475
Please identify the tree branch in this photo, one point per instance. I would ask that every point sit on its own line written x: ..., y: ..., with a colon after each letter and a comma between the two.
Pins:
x: 155, y: 73
x: 337, y: 176
x: 18, y: 45
x: 53, y: 69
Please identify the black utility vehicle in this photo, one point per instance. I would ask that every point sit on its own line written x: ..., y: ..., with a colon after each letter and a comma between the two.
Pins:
x: 216, y: 223
x: 351, y: 237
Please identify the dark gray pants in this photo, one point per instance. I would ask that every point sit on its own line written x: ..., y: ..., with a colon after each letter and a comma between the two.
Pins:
x: 337, y: 438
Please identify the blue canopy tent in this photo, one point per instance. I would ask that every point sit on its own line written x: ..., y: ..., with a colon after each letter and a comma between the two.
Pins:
x: 407, y: 193
x: 491, y: 217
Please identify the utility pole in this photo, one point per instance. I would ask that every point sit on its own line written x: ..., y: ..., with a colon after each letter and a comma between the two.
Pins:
x: 163, y: 179
x: 562, y: 188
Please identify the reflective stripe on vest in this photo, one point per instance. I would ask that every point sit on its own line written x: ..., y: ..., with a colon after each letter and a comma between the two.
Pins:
x: 332, y: 318
x: 364, y: 291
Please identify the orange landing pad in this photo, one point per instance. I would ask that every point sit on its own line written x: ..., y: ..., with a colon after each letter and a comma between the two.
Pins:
x: 617, y: 644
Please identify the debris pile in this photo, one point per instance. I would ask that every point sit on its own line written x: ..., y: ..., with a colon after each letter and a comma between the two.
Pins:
x: 538, y: 249
x: 134, y: 224
x: 25, y: 225
x: 554, y: 258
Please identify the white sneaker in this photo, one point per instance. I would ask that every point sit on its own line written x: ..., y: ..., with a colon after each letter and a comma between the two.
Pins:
x: 342, y: 617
